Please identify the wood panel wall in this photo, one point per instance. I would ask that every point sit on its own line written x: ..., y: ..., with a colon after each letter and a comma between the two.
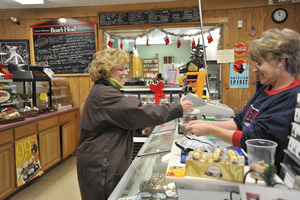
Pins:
x: 255, y: 12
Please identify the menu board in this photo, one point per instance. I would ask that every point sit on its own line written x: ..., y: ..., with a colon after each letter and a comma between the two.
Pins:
x: 149, y: 17
x: 66, y: 48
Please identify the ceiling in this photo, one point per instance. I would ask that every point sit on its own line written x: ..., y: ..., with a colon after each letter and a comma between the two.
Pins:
x: 12, y: 4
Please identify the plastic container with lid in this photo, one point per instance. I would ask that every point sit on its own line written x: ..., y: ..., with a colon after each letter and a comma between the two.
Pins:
x: 191, y: 115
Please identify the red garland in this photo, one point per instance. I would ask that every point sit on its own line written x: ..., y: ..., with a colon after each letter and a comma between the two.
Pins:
x: 157, y: 90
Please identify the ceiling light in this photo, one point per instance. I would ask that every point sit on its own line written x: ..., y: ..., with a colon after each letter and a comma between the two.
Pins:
x: 27, y: 2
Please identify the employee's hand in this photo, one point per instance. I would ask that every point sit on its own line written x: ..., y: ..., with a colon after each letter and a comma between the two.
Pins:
x: 187, y: 105
x: 198, y: 127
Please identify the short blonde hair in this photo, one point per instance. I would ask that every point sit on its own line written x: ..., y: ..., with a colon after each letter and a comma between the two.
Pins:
x: 105, y: 61
x: 275, y: 44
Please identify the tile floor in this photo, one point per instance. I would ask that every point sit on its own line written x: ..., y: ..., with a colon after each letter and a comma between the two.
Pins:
x: 59, y: 183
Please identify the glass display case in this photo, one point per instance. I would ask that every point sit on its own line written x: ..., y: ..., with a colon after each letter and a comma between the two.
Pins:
x: 171, y: 125
x: 147, y: 96
x: 145, y: 178
x: 157, y: 143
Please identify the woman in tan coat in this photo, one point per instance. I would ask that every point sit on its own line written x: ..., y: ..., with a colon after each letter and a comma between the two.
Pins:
x: 107, y: 123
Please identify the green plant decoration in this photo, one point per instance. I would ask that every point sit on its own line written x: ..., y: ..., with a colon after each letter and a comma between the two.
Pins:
x: 269, y: 174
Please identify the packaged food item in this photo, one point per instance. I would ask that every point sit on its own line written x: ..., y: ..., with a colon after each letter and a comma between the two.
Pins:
x: 159, y: 195
x: 217, y: 165
x: 145, y: 195
x: 196, y: 155
x: 177, y: 171
x: 233, y: 156
x: 191, y: 142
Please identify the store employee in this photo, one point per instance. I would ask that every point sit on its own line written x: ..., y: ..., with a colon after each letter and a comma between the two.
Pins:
x: 107, y: 123
x: 269, y: 113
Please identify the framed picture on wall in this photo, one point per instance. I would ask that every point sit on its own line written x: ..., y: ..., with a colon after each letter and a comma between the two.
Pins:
x: 16, y: 51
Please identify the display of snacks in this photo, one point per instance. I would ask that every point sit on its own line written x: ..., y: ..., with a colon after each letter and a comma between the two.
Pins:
x: 156, y: 188
x: 9, y: 116
x: 219, y: 165
x: 29, y: 112
x: 176, y: 171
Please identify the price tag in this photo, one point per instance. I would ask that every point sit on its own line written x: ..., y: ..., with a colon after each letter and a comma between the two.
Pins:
x: 43, y: 96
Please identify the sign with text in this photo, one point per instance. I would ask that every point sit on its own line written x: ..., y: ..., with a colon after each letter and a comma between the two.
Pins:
x: 240, y: 48
x: 66, y: 44
x: 28, y: 164
x: 149, y: 17
x: 239, y: 74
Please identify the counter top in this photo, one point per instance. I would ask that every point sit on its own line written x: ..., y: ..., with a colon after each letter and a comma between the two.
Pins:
x: 190, y: 182
x: 33, y: 119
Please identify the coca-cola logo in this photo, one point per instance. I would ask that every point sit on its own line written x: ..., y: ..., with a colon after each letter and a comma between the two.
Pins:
x: 240, y: 48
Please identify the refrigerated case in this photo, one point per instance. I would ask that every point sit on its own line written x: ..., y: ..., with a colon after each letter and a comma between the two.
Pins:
x: 145, y: 177
x: 146, y: 95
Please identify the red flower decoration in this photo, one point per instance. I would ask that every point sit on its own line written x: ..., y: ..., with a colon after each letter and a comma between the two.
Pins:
x: 157, y: 89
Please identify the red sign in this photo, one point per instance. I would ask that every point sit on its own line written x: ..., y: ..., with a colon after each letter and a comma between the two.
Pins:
x: 239, y: 66
x: 240, y: 48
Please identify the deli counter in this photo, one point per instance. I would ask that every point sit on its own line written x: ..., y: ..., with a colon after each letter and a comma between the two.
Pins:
x: 147, y: 177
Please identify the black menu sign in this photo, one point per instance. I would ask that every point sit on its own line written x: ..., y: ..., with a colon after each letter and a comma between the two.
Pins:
x: 149, y: 17
x: 66, y: 44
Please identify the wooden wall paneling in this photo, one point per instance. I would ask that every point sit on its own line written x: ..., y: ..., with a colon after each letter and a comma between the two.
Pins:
x: 249, y: 19
x: 84, y: 89
x: 230, y: 95
x: 101, y: 41
x: 2, y: 29
x: 296, y: 11
x: 221, y: 13
x: 224, y: 66
x: 73, y: 87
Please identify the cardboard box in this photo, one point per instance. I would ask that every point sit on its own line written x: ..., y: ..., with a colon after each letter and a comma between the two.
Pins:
x: 216, y: 170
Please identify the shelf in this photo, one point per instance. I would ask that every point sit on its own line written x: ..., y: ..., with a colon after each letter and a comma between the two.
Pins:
x: 149, y: 64
x: 292, y: 156
x: 6, y: 81
x: 291, y: 173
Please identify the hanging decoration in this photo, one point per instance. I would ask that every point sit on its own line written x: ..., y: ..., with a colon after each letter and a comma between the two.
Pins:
x: 178, y: 43
x: 110, y: 42
x: 147, y: 42
x: 209, y: 38
x: 158, y: 91
x: 167, y: 40
x: 135, y: 44
x: 121, y: 45
x: 220, y: 25
x: 193, y: 43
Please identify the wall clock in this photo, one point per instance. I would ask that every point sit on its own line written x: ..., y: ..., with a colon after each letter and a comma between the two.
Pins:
x: 279, y: 15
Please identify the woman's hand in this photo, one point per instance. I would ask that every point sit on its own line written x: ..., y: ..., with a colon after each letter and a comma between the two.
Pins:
x: 187, y: 105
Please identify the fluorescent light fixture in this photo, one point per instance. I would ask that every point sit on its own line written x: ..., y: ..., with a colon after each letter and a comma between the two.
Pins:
x: 28, y: 2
